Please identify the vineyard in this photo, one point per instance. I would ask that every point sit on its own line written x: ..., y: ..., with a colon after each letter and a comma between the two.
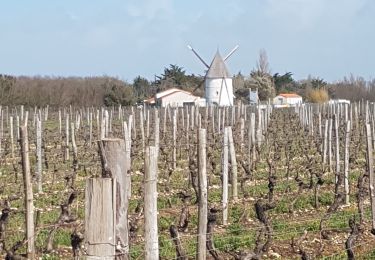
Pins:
x: 242, y: 182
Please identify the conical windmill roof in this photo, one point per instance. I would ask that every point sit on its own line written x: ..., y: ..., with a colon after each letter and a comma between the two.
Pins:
x: 218, y: 69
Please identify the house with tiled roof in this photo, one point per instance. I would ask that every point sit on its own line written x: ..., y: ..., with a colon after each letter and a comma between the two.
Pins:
x: 287, y: 100
x: 175, y: 97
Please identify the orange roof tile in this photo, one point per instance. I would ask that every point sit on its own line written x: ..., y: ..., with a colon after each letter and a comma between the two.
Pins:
x: 289, y: 95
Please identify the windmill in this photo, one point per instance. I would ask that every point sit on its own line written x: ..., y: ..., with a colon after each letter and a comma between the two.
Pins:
x: 217, y: 81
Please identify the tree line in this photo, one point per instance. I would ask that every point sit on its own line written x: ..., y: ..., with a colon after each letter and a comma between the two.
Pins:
x: 108, y: 91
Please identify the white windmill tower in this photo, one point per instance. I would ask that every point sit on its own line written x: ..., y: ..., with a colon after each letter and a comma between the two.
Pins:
x: 218, y: 81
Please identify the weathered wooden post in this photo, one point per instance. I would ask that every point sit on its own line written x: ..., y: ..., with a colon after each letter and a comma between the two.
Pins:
x: 174, y: 135
x: 60, y: 123
x: 346, y: 162
x: 148, y: 124
x: 11, y: 136
x: 18, y: 127
x: 202, y: 183
x: 100, y: 218
x: 90, y: 129
x: 102, y: 126
x: 150, y: 204
x: 233, y: 162
x: 128, y: 145
x: 259, y: 129
x: 337, y: 153
x: 157, y: 130
x: 253, y: 143
x: 225, y: 176
x: 39, y: 153
x: 330, y: 162
x: 22, y: 112
x: 74, y: 146
x: 67, y: 137
x: 98, y: 125
x: 325, y: 141
x: 370, y: 164
x: 115, y: 164
x: 142, y: 130
x: 28, y: 189
x: 106, y: 124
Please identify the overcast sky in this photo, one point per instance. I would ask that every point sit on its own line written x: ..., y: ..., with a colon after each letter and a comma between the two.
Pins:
x: 126, y: 38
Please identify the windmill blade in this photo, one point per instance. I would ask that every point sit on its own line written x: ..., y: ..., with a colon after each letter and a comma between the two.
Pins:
x: 199, y: 57
x: 231, y: 52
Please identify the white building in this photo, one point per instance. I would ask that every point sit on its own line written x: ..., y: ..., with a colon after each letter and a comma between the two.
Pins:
x: 287, y: 99
x: 339, y: 101
x: 175, y: 98
x: 218, y: 83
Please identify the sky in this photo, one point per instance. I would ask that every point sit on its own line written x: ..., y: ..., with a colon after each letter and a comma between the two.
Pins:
x: 329, y: 39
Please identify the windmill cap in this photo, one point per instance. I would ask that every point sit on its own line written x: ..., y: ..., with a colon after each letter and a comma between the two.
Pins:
x: 218, y: 69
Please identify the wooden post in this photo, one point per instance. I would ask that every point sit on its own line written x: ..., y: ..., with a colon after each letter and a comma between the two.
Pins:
x: 18, y: 127
x: 90, y: 129
x: 142, y: 130
x: 46, y: 113
x: 74, y: 145
x: 28, y: 189
x: 225, y: 176
x: 39, y: 153
x: 325, y: 141
x: 346, y: 162
x: 102, y: 127
x: 130, y: 124
x: 252, y: 128
x: 128, y: 145
x: 337, y: 157
x: 67, y: 137
x: 100, y: 208
x: 22, y: 112
x: 60, y: 123
x: 98, y: 125
x: 233, y: 162
x: 330, y: 144
x: 150, y: 204
x: 157, y: 131
x: 259, y: 129
x: 11, y: 136
x: 115, y: 164
x: 242, y: 133
x: 26, y: 118
x: 174, y: 139
x: 106, y: 123
x: 370, y: 169
x: 148, y: 124
x: 202, y: 182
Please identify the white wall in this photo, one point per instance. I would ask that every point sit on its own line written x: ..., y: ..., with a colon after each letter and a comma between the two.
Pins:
x: 176, y: 99
x: 294, y: 100
x: 219, y: 91
x: 280, y: 100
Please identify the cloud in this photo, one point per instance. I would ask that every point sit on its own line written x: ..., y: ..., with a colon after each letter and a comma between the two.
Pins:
x: 307, y: 14
x: 149, y: 9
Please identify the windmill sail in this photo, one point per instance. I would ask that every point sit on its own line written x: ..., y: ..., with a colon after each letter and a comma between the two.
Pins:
x: 218, y: 80
x: 199, y: 57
